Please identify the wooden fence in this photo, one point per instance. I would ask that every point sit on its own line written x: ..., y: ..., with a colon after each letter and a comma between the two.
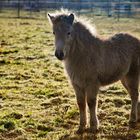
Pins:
x: 39, y: 8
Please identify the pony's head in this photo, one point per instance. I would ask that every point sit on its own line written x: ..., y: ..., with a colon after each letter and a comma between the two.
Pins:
x: 62, y: 25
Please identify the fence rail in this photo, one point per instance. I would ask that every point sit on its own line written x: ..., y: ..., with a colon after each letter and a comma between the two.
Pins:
x: 39, y: 8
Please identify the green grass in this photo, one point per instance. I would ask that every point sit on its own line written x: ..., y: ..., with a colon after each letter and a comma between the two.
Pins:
x: 36, y: 100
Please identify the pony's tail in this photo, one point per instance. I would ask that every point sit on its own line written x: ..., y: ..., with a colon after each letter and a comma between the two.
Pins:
x: 139, y: 59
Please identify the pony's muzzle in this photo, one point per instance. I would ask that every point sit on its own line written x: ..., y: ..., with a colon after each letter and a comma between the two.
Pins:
x: 59, y: 54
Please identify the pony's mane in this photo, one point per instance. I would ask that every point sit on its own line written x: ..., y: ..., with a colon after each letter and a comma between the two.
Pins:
x: 84, y: 21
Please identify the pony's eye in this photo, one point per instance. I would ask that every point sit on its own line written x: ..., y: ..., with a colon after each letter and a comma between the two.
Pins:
x: 54, y: 33
x: 68, y: 33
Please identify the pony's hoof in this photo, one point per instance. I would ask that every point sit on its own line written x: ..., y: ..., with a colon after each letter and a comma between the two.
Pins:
x: 132, y: 124
x: 80, y: 130
x: 92, y: 130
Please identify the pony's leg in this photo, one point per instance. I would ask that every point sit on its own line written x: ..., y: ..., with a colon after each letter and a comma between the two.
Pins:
x: 81, y: 101
x: 92, y: 104
x: 138, y: 110
x: 130, y: 82
x: 123, y: 81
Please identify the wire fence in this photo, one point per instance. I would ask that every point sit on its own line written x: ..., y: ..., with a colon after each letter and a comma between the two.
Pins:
x: 39, y: 8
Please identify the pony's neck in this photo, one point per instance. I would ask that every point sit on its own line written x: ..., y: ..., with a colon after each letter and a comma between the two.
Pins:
x: 85, y: 45
x: 84, y: 40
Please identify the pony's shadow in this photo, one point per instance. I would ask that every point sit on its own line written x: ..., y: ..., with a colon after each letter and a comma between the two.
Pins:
x: 84, y: 136
x: 127, y: 134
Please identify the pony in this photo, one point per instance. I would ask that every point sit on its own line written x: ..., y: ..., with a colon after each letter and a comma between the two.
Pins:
x: 92, y: 62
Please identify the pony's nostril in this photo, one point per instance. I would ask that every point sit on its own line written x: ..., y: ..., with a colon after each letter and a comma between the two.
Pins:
x: 59, y: 55
x: 56, y: 54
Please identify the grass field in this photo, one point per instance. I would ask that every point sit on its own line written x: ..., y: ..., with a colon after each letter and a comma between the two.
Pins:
x: 36, y: 100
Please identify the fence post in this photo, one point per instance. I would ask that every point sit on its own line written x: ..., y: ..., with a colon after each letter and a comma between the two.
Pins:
x: 18, y: 9
x: 119, y: 10
x: 109, y: 8
x: 1, y: 6
x: 45, y: 9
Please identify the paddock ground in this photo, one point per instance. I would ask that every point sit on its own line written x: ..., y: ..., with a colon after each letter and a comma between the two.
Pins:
x: 36, y: 100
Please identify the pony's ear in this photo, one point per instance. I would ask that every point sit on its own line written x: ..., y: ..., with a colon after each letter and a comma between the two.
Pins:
x: 71, y: 18
x: 52, y: 18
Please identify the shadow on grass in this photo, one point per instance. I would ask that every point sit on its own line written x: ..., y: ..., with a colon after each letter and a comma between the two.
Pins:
x: 120, y: 134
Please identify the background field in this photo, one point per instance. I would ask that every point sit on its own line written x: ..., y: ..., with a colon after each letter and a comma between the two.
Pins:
x: 36, y: 100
